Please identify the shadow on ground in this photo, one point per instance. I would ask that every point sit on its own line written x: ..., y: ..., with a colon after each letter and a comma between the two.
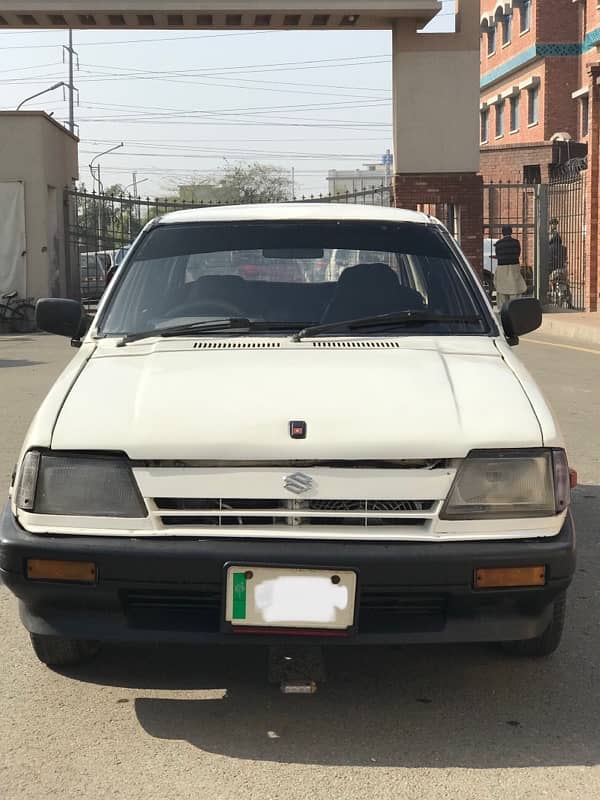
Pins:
x: 452, y: 706
x: 18, y: 362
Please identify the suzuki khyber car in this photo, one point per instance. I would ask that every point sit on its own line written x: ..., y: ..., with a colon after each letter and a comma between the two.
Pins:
x: 240, y: 458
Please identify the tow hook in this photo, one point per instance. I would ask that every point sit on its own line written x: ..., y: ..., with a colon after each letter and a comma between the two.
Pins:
x: 297, y: 670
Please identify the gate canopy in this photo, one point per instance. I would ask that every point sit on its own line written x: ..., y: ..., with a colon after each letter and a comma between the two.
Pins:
x: 215, y: 14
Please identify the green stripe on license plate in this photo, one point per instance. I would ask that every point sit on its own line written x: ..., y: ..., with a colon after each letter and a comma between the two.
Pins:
x: 239, y: 595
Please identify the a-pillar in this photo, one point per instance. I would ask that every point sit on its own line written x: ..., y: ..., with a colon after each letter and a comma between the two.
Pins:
x: 592, y: 176
x: 436, y: 122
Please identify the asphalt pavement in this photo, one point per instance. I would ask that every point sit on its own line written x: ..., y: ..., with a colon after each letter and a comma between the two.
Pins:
x: 164, y: 723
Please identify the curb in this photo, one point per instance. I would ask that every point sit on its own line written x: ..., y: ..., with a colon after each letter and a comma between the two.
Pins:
x: 561, y: 326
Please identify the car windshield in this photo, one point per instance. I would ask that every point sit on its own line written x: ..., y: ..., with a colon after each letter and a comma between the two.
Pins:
x: 293, y: 275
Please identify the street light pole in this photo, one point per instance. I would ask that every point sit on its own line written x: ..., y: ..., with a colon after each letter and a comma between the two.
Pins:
x: 37, y: 94
x: 105, y: 153
x: 100, y: 188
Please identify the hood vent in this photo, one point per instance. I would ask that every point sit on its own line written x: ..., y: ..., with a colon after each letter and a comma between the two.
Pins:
x: 242, y: 345
x: 353, y: 345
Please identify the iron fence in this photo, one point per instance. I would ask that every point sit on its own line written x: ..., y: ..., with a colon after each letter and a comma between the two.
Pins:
x: 549, y: 221
x: 517, y: 206
x: 566, y: 267
x: 99, y: 228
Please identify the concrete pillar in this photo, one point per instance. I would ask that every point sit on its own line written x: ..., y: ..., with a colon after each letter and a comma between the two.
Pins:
x: 592, y: 174
x: 436, y: 121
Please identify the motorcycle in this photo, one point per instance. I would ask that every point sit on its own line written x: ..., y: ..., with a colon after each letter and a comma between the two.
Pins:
x: 559, y: 291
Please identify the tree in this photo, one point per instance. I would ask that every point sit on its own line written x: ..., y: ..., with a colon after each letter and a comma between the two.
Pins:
x: 255, y: 183
x: 239, y: 183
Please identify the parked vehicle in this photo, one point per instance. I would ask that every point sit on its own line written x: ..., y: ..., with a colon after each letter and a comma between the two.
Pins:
x: 489, y: 267
x: 361, y: 460
x: 93, y: 269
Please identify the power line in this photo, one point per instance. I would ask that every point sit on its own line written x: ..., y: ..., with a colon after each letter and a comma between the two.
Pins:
x: 143, y: 41
x: 170, y: 76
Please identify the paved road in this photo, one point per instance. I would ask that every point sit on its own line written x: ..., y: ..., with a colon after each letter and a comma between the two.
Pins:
x: 428, y: 723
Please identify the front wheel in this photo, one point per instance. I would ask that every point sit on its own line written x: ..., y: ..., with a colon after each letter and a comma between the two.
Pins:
x: 56, y: 651
x: 548, y: 641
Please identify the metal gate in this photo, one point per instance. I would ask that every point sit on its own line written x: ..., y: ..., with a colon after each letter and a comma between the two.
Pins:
x: 566, y: 242
x: 549, y: 221
x: 516, y: 205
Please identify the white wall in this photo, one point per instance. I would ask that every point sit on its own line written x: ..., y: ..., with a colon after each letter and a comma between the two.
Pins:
x: 38, y: 151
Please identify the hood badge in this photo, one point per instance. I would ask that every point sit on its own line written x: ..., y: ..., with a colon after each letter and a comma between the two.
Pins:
x: 298, y: 429
x: 298, y: 483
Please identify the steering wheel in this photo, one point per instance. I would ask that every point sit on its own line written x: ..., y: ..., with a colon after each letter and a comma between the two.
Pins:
x: 208, y: 308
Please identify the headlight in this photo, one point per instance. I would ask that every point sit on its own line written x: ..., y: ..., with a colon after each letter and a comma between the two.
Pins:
x: 509, y: 484
x: 83, y: 486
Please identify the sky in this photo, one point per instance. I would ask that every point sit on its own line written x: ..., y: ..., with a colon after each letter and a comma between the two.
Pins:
x: 186, y: 104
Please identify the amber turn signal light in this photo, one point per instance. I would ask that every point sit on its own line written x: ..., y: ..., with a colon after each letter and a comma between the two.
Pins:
x: 573, y: 478
x: 41, y: 569
x: 504, y: 577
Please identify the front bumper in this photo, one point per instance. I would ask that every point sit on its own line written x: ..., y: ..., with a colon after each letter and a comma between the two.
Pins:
x: 171, y: 590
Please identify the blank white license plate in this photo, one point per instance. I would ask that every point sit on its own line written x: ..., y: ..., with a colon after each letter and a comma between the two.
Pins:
x: 278, y: 597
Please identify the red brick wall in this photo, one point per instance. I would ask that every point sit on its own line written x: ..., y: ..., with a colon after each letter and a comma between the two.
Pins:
x: 560, y: 110
x: 462, y: 189
x: 535, y: 133
x: 557, y: 21
x: 505, y: 163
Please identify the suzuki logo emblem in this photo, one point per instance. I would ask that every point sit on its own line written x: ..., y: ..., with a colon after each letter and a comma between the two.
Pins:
x: 298, y: 483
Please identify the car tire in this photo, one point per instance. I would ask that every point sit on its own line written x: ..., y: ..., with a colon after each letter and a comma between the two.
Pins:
x: 56, y: 651
x: 549, y: 640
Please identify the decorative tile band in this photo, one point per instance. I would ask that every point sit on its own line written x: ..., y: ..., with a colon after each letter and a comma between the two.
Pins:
x: 592, y: 39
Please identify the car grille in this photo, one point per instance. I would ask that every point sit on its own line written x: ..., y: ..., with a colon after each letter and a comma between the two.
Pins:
x: 231, y: 512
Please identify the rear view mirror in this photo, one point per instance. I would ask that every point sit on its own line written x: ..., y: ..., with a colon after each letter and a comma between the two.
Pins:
x: 298, y: 254
x: 60, y: 316
x: 519, y: 316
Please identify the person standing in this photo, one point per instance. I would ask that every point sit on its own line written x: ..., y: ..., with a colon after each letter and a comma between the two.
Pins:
x: 508, y: 279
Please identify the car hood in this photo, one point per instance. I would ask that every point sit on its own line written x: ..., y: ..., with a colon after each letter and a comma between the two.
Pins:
x: 233, y: 399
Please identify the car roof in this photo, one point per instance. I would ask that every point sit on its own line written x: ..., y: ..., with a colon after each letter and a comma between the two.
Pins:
x: 310, y: 212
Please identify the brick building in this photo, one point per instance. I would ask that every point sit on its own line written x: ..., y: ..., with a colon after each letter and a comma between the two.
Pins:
x: 539, y: 104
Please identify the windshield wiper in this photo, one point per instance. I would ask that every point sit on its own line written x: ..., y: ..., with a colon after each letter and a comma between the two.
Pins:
x: 200, y: 326
x: 395, y: 318
x: 238, y: 324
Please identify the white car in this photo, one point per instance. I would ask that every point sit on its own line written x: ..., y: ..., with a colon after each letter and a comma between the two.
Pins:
x: 254, y: 440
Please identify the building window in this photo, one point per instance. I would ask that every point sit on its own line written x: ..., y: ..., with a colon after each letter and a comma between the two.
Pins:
x: 525, y: 16
x: 491, y: 40
x: 585, y: 115
x: 534, y: 105
x: 532, y: 173
x: 485, y: 125
x: 500, y: 119
x: 515, y: 113
x: 507, y: 29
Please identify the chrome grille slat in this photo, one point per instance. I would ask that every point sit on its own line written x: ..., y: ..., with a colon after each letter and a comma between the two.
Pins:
x: 225, y: 512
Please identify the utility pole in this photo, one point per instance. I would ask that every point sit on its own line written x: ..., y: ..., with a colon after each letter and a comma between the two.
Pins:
x: 134, y: 176
x: 71, y: 85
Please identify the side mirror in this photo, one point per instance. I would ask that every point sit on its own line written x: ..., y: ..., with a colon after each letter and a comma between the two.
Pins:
x: 519, y: 316
x: 60, y: 316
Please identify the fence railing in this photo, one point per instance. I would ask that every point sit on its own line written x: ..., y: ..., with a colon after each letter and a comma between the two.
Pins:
x: 549, y: 222
x: 99, y: 227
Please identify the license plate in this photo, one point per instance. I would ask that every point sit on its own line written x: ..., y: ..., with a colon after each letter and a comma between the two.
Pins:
x: 282, y: 597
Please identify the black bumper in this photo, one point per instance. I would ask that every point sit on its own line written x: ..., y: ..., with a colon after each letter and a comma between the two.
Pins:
x: 171, y: 589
